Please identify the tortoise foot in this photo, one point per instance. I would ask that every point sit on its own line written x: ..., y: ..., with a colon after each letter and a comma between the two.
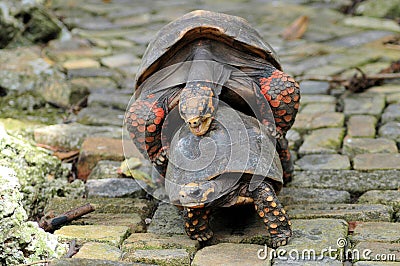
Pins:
x: 197, y: 225
x: 274, y: 216
x: 280, y: 239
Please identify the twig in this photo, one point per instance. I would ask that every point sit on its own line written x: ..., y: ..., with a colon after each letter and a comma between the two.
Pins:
x: 359, y: 83
x: 52, y: 224
x: 73, y: 249
x: 35, y: 262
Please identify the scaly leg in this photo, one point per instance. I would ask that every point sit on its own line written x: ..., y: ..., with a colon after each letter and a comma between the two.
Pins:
x: 274, y: 216
x: 197, y: 223
x: 283, y: 94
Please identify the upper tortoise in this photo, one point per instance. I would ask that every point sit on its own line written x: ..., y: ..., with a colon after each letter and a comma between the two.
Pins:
x: 197, y: 61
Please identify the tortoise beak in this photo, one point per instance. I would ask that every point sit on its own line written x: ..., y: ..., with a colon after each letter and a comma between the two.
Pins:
x: 199, y: 126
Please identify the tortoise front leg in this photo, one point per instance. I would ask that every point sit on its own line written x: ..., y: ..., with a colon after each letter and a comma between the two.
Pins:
x: 197, y: 223
x: 274, y: 216
x: 144, y: 121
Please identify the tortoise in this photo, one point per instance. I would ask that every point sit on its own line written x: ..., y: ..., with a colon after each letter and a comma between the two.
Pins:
x: 233, y: 163
x: 198, y: 61
x: 162, y: 83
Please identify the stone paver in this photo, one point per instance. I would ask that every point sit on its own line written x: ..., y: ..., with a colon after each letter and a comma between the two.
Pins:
x: 364, y: 104
x: 101, y: 251
x: 105, y: 169
x: 97, y: 149
x: 349, y: 180
x: 119, y: 60
x: 387, y: 197
x: 361, y: 126
x: 390, y: 130
x: 81, y: 63
x: 393, y: 98
x: 96, y: 116
x: 307, y: 262
x: 316, y: 234
x: 290, y: 195
x: 94, y: 84
x: 314, y: 87
x: 113, y: 235
x: 117, y: 100
x: 91, y: 262
x: 115, y: 188
x: 157, y: 241
x: 102, y: 205
x: 348, y: 212
x: 377, y: 231
x: 324, y: 162
x: 71, y: 136
x: 355, y: 146
x: 387, y: 89
x: 379, y: 251
x: 167, y: 220
x: 375, y: 263
x: 391, y: 113
x: 229, y: 254
x: 309, y: 121
x: 173, y: 257
x: 313, y: 108
x: 323, y: 141
x: 378, y: 161
x: 318, y: 98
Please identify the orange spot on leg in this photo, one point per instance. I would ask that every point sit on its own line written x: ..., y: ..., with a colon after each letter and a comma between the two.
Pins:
x: 274, y: 103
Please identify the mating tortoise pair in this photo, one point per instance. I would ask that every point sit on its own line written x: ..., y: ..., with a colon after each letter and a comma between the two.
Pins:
x: 194, y: 65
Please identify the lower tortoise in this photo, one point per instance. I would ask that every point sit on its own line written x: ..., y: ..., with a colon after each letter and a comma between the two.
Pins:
x: 234, y: 163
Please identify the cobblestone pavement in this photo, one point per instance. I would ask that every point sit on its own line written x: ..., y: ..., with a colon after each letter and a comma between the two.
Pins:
x: 345, y: 193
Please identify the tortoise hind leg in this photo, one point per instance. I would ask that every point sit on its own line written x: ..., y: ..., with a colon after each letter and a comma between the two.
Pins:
x: 144, y: 120
x: 197, y: 223
x: 283, y: 95
x: 274, y: 216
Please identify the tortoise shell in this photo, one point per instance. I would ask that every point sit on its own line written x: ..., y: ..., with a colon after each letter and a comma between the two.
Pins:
x: 237, y: 152
x: 231, y: 30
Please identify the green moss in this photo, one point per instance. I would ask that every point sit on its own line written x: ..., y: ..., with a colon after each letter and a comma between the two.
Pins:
x: 41, y: 175
x: 21, y: 241
x: 31, y: 107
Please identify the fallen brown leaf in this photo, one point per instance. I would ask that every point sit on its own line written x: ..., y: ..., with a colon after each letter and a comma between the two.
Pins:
x: 65, y: 155
x: 297, y: 29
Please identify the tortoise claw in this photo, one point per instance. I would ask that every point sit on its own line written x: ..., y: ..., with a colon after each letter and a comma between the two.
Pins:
x: 278, y: 241
x: 203, y: 236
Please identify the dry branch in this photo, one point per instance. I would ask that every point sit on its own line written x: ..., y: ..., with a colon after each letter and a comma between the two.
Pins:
x: 52, y: 223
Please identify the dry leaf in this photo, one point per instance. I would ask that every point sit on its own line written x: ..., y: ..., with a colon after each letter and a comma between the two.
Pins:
x: 66, y: 155
x: 297, y: 29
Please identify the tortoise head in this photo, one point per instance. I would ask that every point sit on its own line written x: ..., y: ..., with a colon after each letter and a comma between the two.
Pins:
x: 197, y: 107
